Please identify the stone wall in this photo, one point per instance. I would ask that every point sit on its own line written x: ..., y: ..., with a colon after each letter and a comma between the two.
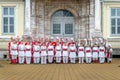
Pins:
x: 83, y: 11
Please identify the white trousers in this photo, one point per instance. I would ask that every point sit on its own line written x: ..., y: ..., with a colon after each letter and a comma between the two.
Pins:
x: 36, y: 60
x: 101, y: 59
x: 65, y: 59
x: 14, y: 56
x: 72, y: 60
x: 81, y: 59
x: 21, y: 59
x: 28, y: 60
x: 50, y: 58
x: 43, y: 60
x: 58, y: 59
x: 88, y: 59
x: 109, y: 60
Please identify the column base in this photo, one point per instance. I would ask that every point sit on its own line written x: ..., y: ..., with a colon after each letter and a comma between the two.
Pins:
x: 97, y: 33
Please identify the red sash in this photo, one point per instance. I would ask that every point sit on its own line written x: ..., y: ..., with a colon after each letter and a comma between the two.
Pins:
x: 87, y: 51
x: 95, y: 50
x: 64, y: 49
x: 101, y: 50
x: 80, y: 49
x: 50, y: 49
x: 72, y: 50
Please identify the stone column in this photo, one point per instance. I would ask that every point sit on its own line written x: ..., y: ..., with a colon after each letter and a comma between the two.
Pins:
x: 27, y: 28
x: 97, y: 32
x: 97, y: 15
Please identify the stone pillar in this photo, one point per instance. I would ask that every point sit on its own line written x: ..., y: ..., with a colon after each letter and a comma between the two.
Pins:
x: 27, y: 28
x: 97, y: 15
x: 97, y: 32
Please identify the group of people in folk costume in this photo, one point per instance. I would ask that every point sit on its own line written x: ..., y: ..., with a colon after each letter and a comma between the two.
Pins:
x: 45, y: 50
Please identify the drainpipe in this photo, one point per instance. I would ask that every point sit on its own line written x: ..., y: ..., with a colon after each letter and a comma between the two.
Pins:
x: 102, y: 16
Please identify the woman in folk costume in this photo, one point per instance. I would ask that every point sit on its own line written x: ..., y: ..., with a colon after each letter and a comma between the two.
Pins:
x: 36, y: 53
x: 81, y: 53
x: 9, y: 48
x: 21, y: 51
x: 72, y: 55
x: 109, y: 53
x: 28, y: 52
x: 95, y: 53
x: 14, y: 52
x: 58, y: 51
x: 102, y: 54
x: 88, y: 54
x: 43, y: 53
x: 65, y: 52
x: 50, y: 53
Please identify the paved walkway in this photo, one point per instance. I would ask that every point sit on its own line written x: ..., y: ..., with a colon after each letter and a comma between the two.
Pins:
x: 60, y: 71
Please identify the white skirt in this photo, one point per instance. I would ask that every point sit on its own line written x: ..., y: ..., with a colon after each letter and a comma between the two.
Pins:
x: 72, y: 55
x: 50, y: 53
x: 36, y: 54
x: 81, y: 54
x: 101, y: 54
x: 58, y: 54
x: 65, y: 53
x: 43, y: 53
x: 21, y: 53
x: 28, y: 54
x: 95, y: 55
x: 88, y: 55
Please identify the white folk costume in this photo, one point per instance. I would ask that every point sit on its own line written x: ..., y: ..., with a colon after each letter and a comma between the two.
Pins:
x: 28, y: 53
x: 58, y: 50
x: 21, y: 55
x: 14, y: 53
x: 43, y: 54
x: 65, y: 53
x: 109, y: 55
x: 81, y: 54
x: 72, y: 53
x: 101, y: 54
x: 95, y: 54
x: 88, y: 54
x: 36, y: 54
x: 50, y: 53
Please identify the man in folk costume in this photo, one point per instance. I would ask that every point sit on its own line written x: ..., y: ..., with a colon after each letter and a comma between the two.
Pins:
x: 9, y: 48
x: 61, y: 41
x: 36, y: 53
x: 72, y: 55
x: 109, y: 53
x: 43, y: 53
x: 95, y: 51
x: 88, y: 54
x: 14, y: 52
x: 101, y: 54
x: 50, y: 53
x: 58, y: 54
x: 21, y: 52
x: 65, y: 52
x: 105, y: 43
x: 81, y: 54
x: 28, y: 53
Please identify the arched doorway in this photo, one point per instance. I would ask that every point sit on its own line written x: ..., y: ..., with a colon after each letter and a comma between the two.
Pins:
x: 62, y: 24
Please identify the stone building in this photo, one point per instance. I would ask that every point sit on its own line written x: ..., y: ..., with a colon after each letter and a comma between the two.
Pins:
x: 63, y: 18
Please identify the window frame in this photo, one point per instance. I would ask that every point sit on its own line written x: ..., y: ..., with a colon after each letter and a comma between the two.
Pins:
x: 8, y: 16
x: 116, y: 17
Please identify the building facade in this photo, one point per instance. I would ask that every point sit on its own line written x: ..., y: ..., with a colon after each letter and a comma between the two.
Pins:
x: 63, y: 18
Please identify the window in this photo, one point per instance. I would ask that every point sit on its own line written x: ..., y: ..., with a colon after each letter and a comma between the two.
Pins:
x: 68, y: 28
x: 56, y: 29
x: 115, y: 21
x: 8, y: 20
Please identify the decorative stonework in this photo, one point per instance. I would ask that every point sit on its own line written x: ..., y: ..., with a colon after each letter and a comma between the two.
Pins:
x: 83, y: 11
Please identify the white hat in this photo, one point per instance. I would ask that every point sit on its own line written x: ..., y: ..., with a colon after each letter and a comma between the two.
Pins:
x: 110, y: 45
x: 51, y: 38
x: 72, y: 39
x: 57, y: 37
